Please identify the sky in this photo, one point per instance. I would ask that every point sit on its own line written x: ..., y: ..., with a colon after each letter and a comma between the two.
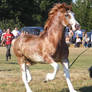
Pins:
x: 74, y: 1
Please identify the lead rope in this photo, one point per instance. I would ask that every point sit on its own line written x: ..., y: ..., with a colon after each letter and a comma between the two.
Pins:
x: 77, y: 58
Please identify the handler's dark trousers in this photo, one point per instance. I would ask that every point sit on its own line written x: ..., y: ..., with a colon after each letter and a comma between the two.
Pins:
x: 8, y: 54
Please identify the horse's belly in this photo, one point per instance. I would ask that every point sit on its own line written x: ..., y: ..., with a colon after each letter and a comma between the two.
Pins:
x: 37, y: 58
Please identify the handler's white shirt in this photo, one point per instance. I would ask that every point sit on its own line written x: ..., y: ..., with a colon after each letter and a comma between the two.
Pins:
x: 91, y: 37
x: 16, y: 33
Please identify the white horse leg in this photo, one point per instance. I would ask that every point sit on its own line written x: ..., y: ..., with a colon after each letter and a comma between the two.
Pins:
x: 29, y: 78
x: 51, y: 76
x: 67, y: 75
x: 24, y: 78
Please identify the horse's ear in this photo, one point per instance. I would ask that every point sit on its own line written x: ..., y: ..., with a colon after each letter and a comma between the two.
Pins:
x: 67, y: 7
x: 70, y: 6
x: 63, y: 5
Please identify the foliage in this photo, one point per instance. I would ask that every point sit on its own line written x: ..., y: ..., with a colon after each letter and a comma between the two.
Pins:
x: 83, y: 13
x: 28, y: 12
x: 35, y: 12
x: 10, y: 23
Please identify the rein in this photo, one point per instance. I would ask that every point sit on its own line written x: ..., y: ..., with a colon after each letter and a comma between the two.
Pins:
x: 77, y: 57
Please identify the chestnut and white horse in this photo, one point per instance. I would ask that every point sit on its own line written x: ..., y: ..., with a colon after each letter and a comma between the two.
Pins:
x: 49, y: 47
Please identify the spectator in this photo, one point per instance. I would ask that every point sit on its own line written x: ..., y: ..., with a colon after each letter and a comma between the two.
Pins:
x: 2, y: 37
x: 8, y: 37
x: 78, y: 41
x: 78, y: 32
x: 86, y: 40
x: 90, y: 72
x: 66, y: 31
x: 83, y: 39
x: 15, y: 32
x: 91, y: 39
x: 67, y: 39
x: 0, y: 31
x: 71, y: 34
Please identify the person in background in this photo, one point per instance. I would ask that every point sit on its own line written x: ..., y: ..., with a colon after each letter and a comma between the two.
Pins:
x: 87, y: 40
x: 90, y: 72
x: 91, y: 39
x: 8, y: 37
x: 78, y: 41
x: 78, y: 32
x: 71, y: 34
x: 83, y: 39
x: 2, y: 37
x: 15, y: 32
x: 67, y: 39
x: 66, y: 31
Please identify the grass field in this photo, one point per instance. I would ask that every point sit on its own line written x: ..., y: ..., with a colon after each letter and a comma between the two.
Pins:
x: 10, y: 75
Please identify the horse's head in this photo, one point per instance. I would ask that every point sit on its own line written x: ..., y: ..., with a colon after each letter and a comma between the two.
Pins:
x: 68, y: 16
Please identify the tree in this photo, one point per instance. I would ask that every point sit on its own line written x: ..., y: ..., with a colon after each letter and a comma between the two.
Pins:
x: 27, y: 12
x: 82, y: 12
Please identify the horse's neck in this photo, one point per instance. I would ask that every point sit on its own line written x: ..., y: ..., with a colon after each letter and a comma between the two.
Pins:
x: 55, y: 32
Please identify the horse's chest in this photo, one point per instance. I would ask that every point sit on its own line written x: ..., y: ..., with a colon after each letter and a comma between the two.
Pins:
x: 36, y: 57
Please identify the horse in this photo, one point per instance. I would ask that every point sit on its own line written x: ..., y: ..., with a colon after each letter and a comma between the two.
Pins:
x: 49, y: 47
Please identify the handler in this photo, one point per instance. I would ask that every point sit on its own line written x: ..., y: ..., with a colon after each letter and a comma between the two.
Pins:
x: 90, y: 71
x: 8, y: 37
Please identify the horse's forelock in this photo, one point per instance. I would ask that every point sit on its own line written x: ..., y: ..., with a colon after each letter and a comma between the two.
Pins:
x: 64, y: 7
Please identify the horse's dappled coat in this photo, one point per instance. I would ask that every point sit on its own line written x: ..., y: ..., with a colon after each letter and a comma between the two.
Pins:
x: 48, y: 47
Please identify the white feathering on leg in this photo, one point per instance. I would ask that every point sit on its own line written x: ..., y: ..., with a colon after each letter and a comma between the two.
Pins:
x: 51, y: 76
x: 24, y: 78
x: 67, y: 75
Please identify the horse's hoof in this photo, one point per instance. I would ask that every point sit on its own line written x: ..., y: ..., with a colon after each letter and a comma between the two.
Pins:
x: 45, y: 81
x: 74, y: 91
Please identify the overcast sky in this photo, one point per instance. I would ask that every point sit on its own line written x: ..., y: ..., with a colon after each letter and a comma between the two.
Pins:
x: 74, y: 1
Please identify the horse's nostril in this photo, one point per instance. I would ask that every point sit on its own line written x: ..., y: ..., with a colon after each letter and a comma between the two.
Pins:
x: 77, y: 25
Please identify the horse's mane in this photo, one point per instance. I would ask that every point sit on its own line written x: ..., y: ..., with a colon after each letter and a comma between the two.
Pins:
x: 24, y: 35
x: 57, y: 7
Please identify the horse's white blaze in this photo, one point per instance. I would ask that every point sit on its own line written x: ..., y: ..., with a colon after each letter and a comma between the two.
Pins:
x: 36, y: 57
x: 24, y: 78
x: 51, y: 76
x: 67, y: 75
x: 72, y: 20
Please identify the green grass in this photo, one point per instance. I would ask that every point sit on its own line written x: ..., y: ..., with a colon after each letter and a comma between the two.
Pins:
x: 10, y: 74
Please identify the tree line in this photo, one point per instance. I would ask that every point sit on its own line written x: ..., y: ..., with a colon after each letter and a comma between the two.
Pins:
x: 35, y: 12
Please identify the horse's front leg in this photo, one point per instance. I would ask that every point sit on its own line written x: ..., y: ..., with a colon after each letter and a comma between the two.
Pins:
x: 29, y: 78
x: 25, y: 77
x: 67, y: 75
x: 51, y: 76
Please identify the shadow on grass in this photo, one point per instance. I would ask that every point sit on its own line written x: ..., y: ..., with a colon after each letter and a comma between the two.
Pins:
x: 46, y: 90
x: 83, y: 89
x: 64, y: 90
x: 5, y: 70
x: 86, y: 89
x: 13, y: 63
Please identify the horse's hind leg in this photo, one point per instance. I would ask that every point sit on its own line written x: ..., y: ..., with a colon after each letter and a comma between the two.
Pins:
x: 51, y: 76
x: 29, y: 78
x: 24, y: 77
x: 67, y: 75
